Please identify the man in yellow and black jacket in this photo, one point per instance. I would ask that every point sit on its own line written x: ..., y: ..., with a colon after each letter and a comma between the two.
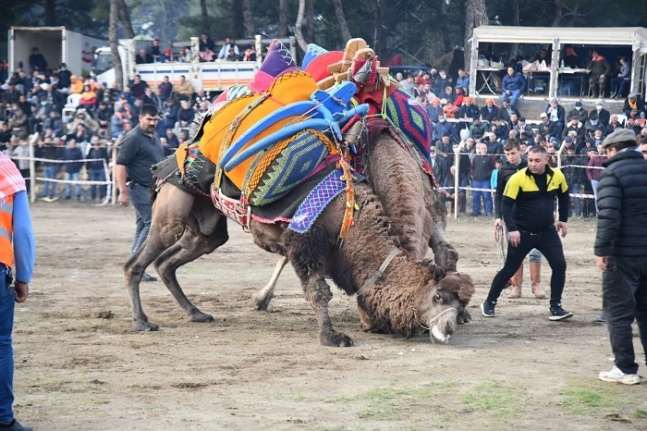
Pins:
x: 528, y: 206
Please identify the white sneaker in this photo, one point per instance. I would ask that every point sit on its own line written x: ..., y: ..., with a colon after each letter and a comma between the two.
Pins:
x: 617, y: 376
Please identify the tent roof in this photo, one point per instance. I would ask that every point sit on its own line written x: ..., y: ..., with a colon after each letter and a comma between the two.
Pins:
x: 634, y: 36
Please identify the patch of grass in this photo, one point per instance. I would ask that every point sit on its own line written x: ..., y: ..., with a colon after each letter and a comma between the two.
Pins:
x: 640, y: 414
x: 592, y: 398
x: 495, y: 399
x: 581, y: 401
x: 392, y: 403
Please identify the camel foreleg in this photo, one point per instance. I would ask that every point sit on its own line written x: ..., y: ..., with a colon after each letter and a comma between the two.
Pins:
x: 192, y: 245
x: 445, y: 255
x: 308, y: 253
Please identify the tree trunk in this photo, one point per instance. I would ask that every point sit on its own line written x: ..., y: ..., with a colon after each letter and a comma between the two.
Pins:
x: 310, y: 14
x: 443, y: 21
x: 50, y: 12
x: 341, y: 19
x: 297, y: 26
x: 124, y: 17
x: 469, y: 31
x: 114, y: 42
x: 283, y: 18
x: 248, y: 18
x: 516, y: 21
x: 477, y: 8
x: 238, y: 23
x: 559, y: 10
x: 379, y: 43
x: 204, y: 14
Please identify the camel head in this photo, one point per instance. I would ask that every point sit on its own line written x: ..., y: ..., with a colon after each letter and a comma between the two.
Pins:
x: 444, y: 304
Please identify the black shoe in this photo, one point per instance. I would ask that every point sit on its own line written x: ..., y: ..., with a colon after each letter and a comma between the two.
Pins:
x: 487, y: 308
x: 15, y: 426
x: 601, y: 318
x: 148, y: 277
x: 558, y: 313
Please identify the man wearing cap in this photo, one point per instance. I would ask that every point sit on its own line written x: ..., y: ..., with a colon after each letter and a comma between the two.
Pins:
x: 489, y: 112
x: 634, y: 106
x: 468, y: 109
x: 579, y: 112
x: 592, y: 125
x: 603, y: 115
x: 621, y: 251
x: 547, y: 128
x: 527, y: 205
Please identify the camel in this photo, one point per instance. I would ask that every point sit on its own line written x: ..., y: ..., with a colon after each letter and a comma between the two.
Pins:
x: 406, y: 193
x: 407, y: 297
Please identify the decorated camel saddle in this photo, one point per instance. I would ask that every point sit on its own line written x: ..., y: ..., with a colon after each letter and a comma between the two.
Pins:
x: 282, y: 147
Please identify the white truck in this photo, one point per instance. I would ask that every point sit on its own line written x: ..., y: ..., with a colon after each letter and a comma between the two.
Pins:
x: 57, y: 44
x: 213, y: 77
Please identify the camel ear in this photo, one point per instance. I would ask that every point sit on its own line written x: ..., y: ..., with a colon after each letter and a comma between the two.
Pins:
x: 459, y: 284
x: 436, y: 272
x: 466, y: 288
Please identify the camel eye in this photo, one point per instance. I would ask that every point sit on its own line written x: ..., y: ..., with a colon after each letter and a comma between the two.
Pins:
x: 437, y: 297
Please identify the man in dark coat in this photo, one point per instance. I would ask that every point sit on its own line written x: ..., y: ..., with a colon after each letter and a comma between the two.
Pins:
x: 621, y: 250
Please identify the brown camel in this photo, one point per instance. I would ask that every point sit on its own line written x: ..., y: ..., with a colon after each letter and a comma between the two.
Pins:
x: 408, y: 298
x: 418, y: 220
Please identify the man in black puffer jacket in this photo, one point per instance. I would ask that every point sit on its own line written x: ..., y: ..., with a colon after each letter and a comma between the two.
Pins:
x: 621, y: 250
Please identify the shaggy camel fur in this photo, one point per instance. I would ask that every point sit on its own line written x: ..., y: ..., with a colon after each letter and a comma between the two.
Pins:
x: 406, y: 193
x: 408, y: 298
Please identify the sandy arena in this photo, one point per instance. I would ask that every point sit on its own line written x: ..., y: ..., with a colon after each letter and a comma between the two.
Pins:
x: 79, y: 365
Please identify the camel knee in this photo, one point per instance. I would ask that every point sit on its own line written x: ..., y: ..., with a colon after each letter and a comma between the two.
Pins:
x: 318, y: 292
x: 171, y: 233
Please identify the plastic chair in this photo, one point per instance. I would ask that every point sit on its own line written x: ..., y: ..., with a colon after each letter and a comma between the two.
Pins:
x: 73, y: 100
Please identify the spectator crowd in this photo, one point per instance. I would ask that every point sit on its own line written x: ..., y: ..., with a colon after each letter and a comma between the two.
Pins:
x: 478, y: 134
x: 76, y: 119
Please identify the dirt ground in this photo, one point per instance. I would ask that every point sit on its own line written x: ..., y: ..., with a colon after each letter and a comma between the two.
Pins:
x: 79, y: 365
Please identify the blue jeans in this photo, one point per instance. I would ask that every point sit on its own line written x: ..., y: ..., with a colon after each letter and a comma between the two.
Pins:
x: 594, y: 186
x: 97, y: 175
x: 577, y: 189
x: 619, y: 85
x: 49, y: 189
x: 140, y: 199
x: 76, y: 176
x: 7, y: 305
x: 512, y: 97
x: 487, y: 197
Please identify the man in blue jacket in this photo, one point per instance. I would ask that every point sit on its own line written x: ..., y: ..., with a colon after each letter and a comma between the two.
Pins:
x: 621, y: 250
x: 17, y: 246
x: 513, y: 85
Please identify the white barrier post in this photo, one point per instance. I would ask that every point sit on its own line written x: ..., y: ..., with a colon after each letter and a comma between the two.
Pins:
x: 32, y: 170
x: 457, y: 179
x: 114, y: 177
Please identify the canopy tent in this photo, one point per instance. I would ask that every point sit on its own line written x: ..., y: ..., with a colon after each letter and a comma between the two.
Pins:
x: 634, y: 37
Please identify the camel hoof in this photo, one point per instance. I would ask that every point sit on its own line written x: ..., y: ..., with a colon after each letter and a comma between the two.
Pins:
x: 335, y: 339
x: 140, y: 325
x: 261, y: 303
x: 198, y: 316
x: 464, y: 317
